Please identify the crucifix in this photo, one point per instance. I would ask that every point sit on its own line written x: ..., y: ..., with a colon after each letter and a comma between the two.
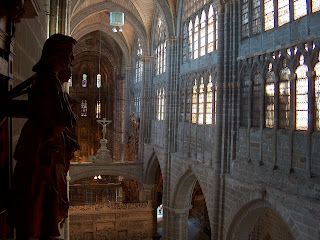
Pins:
x: 104, y: 122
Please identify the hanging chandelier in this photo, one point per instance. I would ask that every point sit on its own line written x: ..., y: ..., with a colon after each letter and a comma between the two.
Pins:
x: 116, y: 20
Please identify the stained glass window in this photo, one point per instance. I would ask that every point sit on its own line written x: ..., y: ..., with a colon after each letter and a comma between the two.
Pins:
x: 299, y: 8
x: 98, y: 109
x: 315, y: 5
x: 209, y: 102
x: 268, y: 15
x: 244, y: 102
x: 70, y: 81
x: 139, y: 49
x: 164, y: 56
x: 190, y: 29
x: 302, y: 96
x: 269, y: 97
x: 256, y: 16
x: 98, y: 80
x: 84, y: 80
x: 317, y: 93
x: 194, y: 102
x: 196, y: 38
x: 203, y: 34
x: 84, y: 108
x: 201, y: 103
x: 216, y: 27
x: 139, y: 71
x: 284, y: 96
x: 256, y: 98
x: 245, y: 18
x: 210, y: 30
x: 158, y: 105
x: 160, y: 50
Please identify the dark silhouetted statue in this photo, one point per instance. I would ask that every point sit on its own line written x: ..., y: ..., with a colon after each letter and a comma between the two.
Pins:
x: 46, y: 145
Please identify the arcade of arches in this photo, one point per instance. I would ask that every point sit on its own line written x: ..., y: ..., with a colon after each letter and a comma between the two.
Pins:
x: 214, y: 110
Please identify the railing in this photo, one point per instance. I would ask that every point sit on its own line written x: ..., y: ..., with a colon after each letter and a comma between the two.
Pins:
x: 109, y: 207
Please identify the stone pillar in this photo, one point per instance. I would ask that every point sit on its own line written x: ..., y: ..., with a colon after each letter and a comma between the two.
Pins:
x: 150, y: 195
x: 177, y: 223
x: 146, y: 105
x: 311, y: 118
x: 127, y: 106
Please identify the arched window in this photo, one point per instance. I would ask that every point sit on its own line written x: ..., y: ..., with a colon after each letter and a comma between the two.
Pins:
x: 302, y: 96
x: 209, y: 102
x: 268, y: 14
x: 84, y: 80
x: 283, y: 12
x: 317, y: 93
x: 162, y: 105
x: 196, y: 38
x: 84, y: 108
x: 256, y: 16
x: 256, y: 98
x: 194, y: 102
x: 284, y: 96
x: 201, y: 103
x: 269, y: 97
x: 190, y: 29
x: 98, y: 109
x: 299, y: 8
x: 203, y: 34
x: 210, y: 30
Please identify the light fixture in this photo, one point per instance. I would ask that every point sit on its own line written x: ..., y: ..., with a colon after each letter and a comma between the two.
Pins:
x: 116, y: 20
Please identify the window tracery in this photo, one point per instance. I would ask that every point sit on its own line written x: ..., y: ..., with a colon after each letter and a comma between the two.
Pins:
x: 194, y: 102
x: 268, y: 14
x: 196, y: 38
x: 201, y: 103
x: 256, y: 98
x: 203, y: 34
x: 209, y: 101
x: 269, y: 97
x: 160, y: 47
x: 302, y: 96
x: 284, y: 96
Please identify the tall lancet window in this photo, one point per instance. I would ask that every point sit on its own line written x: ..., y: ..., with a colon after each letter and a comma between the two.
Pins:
x: 284, y: 96
x: 160, y: 47
x: 185, y: 43
x: 317, y: 93
x: 269, y: 97
x: 299, y: 9
x: 84, y: 108
x: 315, y: 5
x: 194, y: 102
x: 190, y: 29
x: 283, y: 12
x: 245, y: 18
x: 268, y: 14
x: 84, y: 80
x: 210, y: 30
x: 98, y: 109
x: 302, y: 89
x: 201, y: 103
x: 203, y: 34
x: 256, y: 16
x: 196, y: 38
x: 209, y: 102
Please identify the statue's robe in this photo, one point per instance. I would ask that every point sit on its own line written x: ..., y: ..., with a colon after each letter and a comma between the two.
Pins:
x: 45, y: 147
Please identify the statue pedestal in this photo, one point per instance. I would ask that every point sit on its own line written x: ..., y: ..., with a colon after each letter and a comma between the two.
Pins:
x: 103, y: 154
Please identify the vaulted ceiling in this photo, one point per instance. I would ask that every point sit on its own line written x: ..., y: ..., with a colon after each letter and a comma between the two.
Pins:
x: 90, y: 22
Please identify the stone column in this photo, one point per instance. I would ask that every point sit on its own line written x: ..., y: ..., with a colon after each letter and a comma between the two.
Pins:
x: 177, y: 223
x: 311, y: 118
x: 146, y: 105
x: 150, y: 195
x: 127, y: 107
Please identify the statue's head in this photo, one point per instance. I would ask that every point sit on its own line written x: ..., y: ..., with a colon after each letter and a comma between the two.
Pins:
x: 57, y: 52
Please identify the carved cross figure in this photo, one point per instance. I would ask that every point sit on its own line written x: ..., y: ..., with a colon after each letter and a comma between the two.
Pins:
x: 104, y: 122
